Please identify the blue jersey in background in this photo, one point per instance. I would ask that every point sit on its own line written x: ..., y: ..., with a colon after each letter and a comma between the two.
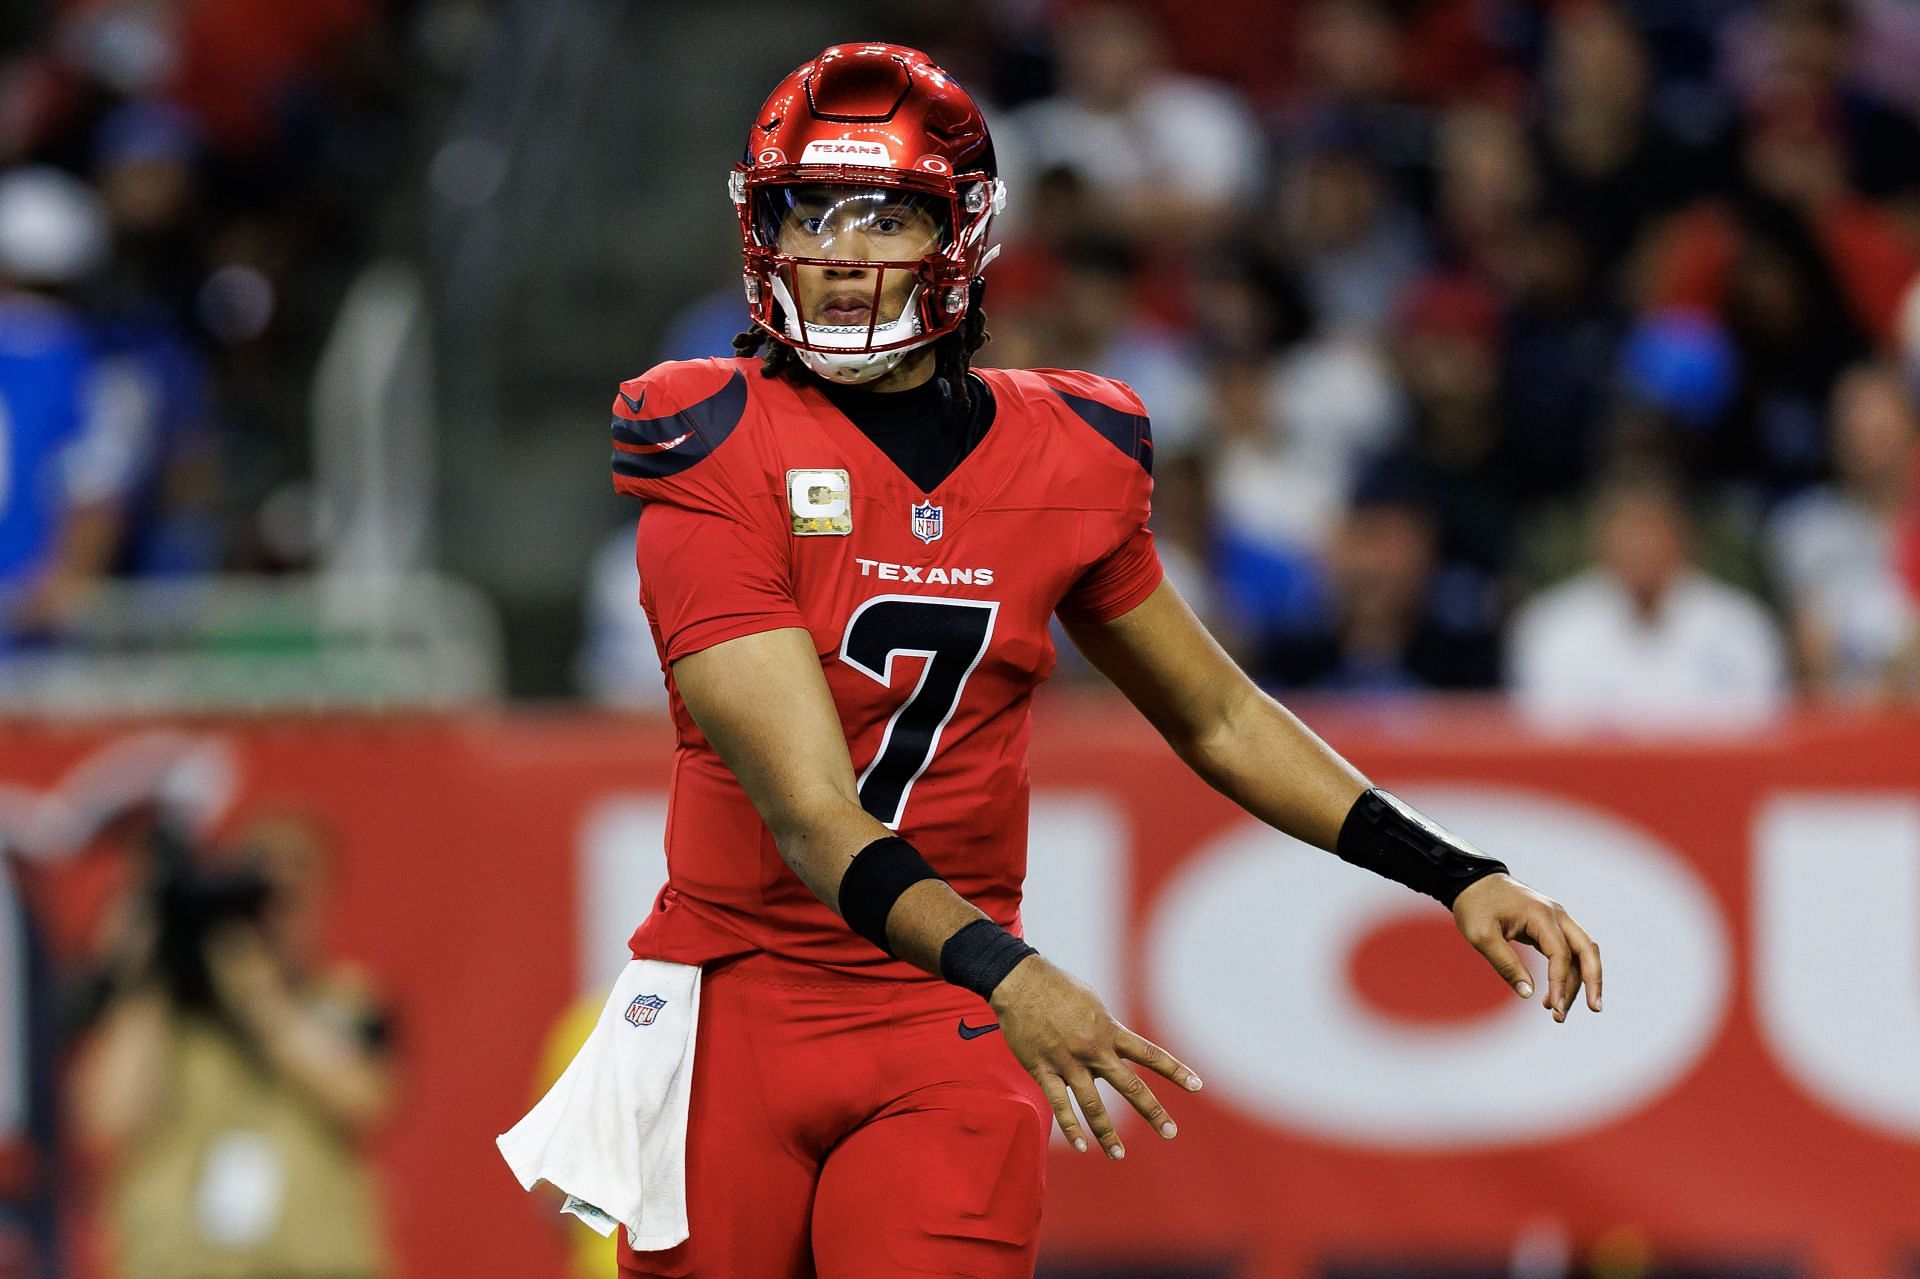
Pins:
x: 45, y: 357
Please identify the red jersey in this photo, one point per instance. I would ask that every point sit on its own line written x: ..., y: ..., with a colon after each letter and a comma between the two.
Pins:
x: 765, y: 508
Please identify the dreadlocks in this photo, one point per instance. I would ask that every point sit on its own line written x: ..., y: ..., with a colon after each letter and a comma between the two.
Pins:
x: 952, y: 354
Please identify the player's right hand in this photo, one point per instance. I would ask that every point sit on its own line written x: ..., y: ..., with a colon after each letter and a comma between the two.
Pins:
x: 1064, y: 1036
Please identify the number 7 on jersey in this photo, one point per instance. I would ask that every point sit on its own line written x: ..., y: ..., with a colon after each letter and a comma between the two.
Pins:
x: 952, y: 636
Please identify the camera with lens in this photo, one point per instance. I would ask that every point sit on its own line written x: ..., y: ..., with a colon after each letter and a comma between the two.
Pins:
x: 192, y: 898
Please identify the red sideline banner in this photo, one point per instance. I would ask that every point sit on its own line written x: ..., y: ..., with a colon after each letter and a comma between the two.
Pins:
x: 1374, y: 1094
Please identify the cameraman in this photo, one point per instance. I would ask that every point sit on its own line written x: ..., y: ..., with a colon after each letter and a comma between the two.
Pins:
x: 228, y: 1083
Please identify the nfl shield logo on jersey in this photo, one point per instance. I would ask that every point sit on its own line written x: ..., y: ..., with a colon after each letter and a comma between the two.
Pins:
x: 926, y: 522
x: 644, y: 1009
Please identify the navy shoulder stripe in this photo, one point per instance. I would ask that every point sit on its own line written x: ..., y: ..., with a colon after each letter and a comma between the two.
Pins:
x: 1129, y: 432
x: 658, y: 447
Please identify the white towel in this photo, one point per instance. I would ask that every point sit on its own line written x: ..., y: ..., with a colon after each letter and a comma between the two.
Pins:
x: 612, y: 1131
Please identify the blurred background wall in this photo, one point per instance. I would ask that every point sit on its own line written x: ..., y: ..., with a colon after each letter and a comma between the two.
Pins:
x: 1534, y: 389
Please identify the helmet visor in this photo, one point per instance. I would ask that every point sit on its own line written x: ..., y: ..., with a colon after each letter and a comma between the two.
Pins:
x: 847, y: 223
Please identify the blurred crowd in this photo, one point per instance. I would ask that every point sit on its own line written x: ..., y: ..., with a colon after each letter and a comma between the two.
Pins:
x: 1565, y: 347
x: 182, y: 186
x: 1570, y: 348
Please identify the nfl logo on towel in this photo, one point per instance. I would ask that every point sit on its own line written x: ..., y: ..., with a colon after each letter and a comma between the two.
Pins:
x: 644, y: 1009
x: 926, y: 522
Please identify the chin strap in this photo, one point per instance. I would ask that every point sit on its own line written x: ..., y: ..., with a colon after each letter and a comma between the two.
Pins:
x: 850, y: 370
x: 856, y: 364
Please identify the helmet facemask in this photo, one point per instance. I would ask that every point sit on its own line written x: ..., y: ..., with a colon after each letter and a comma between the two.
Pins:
x: 855, y: 274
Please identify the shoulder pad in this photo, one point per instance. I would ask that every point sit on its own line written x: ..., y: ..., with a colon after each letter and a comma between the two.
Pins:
x: 673, y: 418
x: 1108, y: 406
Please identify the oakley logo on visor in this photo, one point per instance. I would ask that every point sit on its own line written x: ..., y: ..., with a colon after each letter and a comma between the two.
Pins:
x: 845, y: 151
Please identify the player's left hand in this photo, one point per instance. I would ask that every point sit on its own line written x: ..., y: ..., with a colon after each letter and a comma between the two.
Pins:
x: 1498, y: 909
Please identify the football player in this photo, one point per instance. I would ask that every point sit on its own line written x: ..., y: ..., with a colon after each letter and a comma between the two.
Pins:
x: 850, y: 545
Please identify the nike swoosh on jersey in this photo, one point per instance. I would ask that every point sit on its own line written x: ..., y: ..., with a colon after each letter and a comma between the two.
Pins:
x: 974, y: 1032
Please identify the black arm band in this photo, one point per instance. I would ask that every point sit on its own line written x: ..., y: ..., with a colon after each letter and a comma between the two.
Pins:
x: 873, y: 882
x: 979, y: 955
x: 1389, y: 838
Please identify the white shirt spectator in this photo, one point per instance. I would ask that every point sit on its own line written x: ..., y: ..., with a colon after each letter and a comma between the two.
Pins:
x: 1835, y: 558
x: 1178, y: 133
x: 1711, y: 659
x: 1329, y: 403
x: 1337, y: 397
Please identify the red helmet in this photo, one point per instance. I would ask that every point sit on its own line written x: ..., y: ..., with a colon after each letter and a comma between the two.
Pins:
x: 870, y: 162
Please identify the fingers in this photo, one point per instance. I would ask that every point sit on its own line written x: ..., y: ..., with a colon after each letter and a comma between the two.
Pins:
x: 1554, y: 933
x: 1587, y: 953
x: 1057, y: 1097
x: 1061, y: 1096
x: 1505, y: 962
x: 1096, y: 1114
x: 1573, y: 958
x: 1138, y: 1095
x: 1561, y: 980
x: 1155, y: 1058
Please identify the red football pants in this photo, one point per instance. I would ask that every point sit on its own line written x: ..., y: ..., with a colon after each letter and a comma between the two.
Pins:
x: 843, y: 1127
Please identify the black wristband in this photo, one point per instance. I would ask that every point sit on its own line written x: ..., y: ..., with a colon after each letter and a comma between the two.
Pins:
x: 873, y: 882
x: 978, y: 956
x: 1385, y: 835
